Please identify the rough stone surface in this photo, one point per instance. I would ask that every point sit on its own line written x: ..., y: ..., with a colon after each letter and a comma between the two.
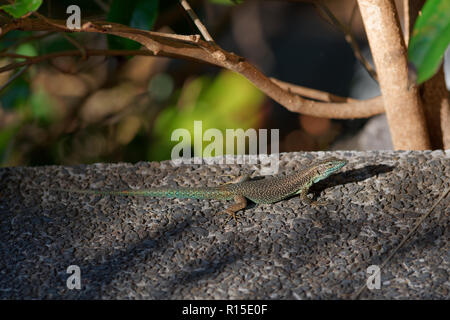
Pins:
x: 148, y: 248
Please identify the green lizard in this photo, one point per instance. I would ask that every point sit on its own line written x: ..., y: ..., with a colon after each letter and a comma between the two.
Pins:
x: 268, y: 190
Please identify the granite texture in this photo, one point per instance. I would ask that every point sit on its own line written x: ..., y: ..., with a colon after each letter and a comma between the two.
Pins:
x: 151, y: 248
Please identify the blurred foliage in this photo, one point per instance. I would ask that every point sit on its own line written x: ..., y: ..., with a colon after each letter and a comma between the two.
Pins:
x: 430, y: 39
x: 72, y: 111
x: 21, y: 7
x: 228, y: 101
x: 27, y: 49
x: 108, y: 109
x: 15, y: 95
x: 42, y: 110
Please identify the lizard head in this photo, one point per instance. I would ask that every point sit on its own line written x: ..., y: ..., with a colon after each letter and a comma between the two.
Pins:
x: 326, y: 167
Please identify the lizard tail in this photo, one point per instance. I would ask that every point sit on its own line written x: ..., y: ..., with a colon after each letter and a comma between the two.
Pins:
x: 162, y: 192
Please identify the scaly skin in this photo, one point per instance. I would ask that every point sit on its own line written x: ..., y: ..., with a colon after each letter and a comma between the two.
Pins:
x: 268, y: 190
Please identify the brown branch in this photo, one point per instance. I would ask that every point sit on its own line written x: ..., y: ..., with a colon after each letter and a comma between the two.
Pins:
x: 403, y: 105
x: 311, y: 93
x: 436, y: 103
x: 299, y: 90
x: 302, y: 91
x: 14, y: 55
x: 192, y: 48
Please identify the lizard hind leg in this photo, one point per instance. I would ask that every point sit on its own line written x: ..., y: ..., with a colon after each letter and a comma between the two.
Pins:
x: 240, y: 203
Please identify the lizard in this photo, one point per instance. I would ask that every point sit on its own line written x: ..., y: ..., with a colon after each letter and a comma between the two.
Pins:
x: 262, y: 191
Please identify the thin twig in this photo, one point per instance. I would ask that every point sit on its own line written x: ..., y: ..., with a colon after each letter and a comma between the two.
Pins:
x: 27, y: 39
x: 352, y: 15
x: 311, y: 93
x: 14, y: 55
x: 187, y: 38
x: 34, y: 60
x: 421, y: 220
x: 348, y: 37
x: 200, y: 26
x: 50, y: 22
x: 14, y: 77
x: 77, y: 45
x: 102, y: 5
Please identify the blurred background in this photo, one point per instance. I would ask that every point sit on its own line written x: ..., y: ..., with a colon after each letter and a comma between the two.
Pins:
x: 71, y: 110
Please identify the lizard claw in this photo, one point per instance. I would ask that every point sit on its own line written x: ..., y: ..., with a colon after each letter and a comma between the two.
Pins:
x: 311, y: 202
x: 232, y: 215
x: 316, y: 203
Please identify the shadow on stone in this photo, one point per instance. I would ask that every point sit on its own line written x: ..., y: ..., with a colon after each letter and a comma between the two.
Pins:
x: 350, y: 176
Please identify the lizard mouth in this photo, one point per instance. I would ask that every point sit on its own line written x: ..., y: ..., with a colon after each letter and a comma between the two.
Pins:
x: 341, y: 164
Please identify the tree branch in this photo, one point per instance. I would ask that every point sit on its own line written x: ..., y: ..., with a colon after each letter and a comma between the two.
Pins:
x: 192, y: 48
x: 404, y: 111
x: 312, y: 93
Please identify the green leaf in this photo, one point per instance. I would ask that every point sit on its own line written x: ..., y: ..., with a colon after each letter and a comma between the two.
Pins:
x: 27, y: 49
x: 140, y: 14
x: 430, y: 39
x: 21, y: 7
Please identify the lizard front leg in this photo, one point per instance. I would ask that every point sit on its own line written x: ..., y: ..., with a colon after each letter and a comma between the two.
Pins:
x: 240, y: 203
x: 304, y: 197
